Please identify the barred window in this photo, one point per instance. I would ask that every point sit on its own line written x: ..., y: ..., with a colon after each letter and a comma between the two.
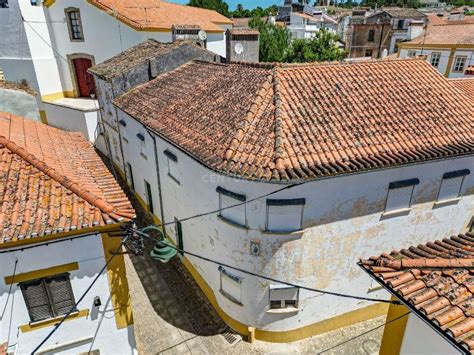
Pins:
x: 48, y: 297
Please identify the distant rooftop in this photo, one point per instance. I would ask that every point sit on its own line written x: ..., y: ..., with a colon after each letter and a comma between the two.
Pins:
x: 466, y: 85
x: 10, y: 85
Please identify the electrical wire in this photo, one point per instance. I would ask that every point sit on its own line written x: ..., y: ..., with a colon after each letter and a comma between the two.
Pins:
x: 9, y: 290
x: 364, y: 333
x: 74, y: 308
x: 338, y: 294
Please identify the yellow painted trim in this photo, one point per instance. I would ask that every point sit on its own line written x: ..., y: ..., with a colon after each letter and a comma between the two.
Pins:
x: 38, y: 274
x: 117, y: 276
x: 49, y: 3
x: 450, y: 62
x: 393, y: 333
x: 437, y: 46
x: 53, y: 237
x: 50, y: 322
x: 58, y: 95
x: 43, y: 117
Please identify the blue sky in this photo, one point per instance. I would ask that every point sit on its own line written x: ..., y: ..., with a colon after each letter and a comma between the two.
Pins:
x: 248, y: 4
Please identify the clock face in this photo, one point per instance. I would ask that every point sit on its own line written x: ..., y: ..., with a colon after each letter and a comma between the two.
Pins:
x: 239, y: 48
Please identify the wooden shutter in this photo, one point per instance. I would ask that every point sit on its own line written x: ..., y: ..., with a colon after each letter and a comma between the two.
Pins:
x: 36, y: 299
x: 62, y: 298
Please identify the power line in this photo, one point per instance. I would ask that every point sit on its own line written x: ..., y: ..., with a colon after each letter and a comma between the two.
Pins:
x: 9, y: 290
x: 362, y: 298
x: 364, y: 333
x: 74, y: 308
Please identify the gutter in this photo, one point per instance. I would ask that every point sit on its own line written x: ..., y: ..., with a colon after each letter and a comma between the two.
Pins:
x: 419, y: 314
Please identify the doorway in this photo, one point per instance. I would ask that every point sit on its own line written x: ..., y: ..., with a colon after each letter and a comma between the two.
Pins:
x: 84, y: 80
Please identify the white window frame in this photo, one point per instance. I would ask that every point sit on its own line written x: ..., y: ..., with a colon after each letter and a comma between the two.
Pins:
x: 397, y: 186
x: 78, y: 24
x: 451, y: 177
x: 285, y: 303
x: 172, y: 162
x: 435, y: 59
x: 456, y: 66
x: 234, y: 281
x: 238, y: 199
x: 411, y: 54
x: 300, y: 202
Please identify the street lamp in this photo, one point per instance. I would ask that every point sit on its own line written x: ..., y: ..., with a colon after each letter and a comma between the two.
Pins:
x: 163, y: 251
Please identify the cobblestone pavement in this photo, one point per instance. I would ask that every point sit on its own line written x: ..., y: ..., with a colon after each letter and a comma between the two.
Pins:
x: 173, y: 316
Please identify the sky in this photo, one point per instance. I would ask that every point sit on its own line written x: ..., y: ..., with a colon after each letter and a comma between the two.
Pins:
x: 248, y: 4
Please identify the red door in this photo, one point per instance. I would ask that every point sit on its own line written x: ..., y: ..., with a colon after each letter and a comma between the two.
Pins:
x: 85, y: 81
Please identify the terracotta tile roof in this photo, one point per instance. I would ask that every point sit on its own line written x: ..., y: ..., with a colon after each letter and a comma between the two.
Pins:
x: 136, y: 55
x: 466, y: 85
x: 404, y: 12
x: 53, y: 182
x: 244, y: 31
x: 294, y: 122
x: 161, y: 14
x: 436, y: 280
x: 9, y: 85
x: 449, y: 34
x: 444, y: 20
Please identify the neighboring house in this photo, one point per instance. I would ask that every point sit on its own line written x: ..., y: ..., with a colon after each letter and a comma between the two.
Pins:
x: 304, y: 25
x: 447, y: 43
x: 58, y: 203
x: 52, y: 43
x: 19, y: 100
x: 434, y: 282
x: 466, y: 85
x: 133, y: 67
x: 370, y: 156
x: 377, y: 33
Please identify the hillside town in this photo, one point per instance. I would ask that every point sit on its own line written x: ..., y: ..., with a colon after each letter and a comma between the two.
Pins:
x: 206, y: 178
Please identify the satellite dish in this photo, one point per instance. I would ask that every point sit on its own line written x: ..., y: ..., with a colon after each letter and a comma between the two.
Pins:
x: 202, y: 35
x: 239, y: 48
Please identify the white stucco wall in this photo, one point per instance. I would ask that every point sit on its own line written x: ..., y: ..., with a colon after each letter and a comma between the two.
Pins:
x: 444, y: 60
x: 420, y: 339
x: 343, y: 221
x: 99, y: 325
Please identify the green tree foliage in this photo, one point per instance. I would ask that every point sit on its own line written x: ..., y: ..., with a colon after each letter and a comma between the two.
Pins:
x: 322, y: 47
x: 218, y: 5
x: 241, y: 12
x: 274, y: 40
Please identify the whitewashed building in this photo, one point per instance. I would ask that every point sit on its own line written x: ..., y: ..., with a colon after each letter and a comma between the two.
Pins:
x: 447, y: 43
x: 303, y: 25
x: 59, y: 203
x: 361, y: 159
x: 50, y: 44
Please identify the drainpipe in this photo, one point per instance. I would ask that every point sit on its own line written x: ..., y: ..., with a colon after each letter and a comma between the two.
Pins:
x: 158, y: 179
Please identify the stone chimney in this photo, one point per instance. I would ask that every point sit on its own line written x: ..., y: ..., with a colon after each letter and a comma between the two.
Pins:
x: 242, y: 45
x: 415, y: 29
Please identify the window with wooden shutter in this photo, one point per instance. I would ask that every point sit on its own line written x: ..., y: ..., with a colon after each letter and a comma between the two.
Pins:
x: 285, y: 215
x: 48, y: 297
x: 451, y: 185
x: 400, y: 194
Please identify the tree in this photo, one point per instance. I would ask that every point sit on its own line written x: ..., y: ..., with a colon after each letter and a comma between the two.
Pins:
x: 218, y: 5
x: 322, y: 47
x: 274, y: 40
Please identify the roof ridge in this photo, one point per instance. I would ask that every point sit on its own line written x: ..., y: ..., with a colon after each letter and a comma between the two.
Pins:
x: 245, y: 123
x: 427, y: 263
x: 279, y: 152
x: 74, y: 187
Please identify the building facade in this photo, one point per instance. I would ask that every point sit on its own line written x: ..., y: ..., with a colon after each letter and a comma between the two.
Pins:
x: 191, y: 158
x: 59, y: 204
x: 51, y: 44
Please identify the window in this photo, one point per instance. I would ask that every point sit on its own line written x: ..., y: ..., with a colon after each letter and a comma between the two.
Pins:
x: 4, y: 4
x: 401, y: 24
x: 141, y: 138
x: 149, y: 197
x: 285, y: 215
x: 371, y: 36
x: 178, y: 233
x: 459, y: 63
x: 451, y: 185
x: 400, y: 194
x: 235, y: 215
x: 231, y: 286
x: 123, y: 130
x: 74, y: 25
x: 130, y: 176
x: 368, y: 52
x: 282, y: 296
x: 48, y: 297
x: 411, y: 54
x: 435, y: 57
x: 173, y: 171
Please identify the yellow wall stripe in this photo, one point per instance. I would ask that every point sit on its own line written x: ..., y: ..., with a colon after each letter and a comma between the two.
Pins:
x: 118, y: 283
x: 393, y: 333
x: 50, y: 322
x: 38, y: 274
